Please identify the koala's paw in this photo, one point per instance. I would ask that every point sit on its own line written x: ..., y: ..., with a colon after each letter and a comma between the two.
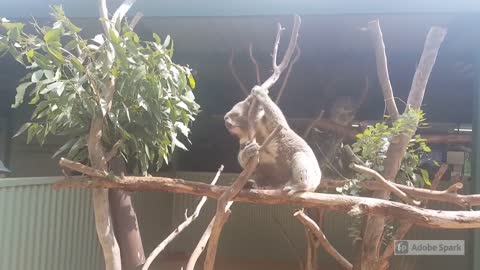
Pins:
x: 251, y: 150
x: 259, y: 92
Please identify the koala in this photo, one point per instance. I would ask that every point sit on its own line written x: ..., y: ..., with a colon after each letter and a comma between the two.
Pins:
x: 287, y: 162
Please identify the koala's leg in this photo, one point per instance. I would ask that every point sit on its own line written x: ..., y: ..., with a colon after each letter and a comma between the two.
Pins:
x: 305, y: 174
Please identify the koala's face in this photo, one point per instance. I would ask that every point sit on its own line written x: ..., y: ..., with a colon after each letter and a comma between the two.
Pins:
x: 343, y: 110
x: 236, y: 120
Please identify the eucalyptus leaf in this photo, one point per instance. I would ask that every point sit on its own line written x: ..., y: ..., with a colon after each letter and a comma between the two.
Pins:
x: 21, y: 88
x: 22, y: 129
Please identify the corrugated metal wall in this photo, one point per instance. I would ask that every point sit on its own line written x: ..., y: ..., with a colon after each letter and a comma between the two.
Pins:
x: 44, y: 229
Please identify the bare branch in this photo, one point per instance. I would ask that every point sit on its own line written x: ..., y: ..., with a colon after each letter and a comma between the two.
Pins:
x: 103, y: 10
x: 224, y: 202
x: 122, y: 10
x: 138, y: 16
x: 188, y: 220
x: 314, y: 122
x: 382, y: 68
x: 254, y: 62
x: 387, y: 184
x: 315, y: 229
x: 202, y: 243
x: 235, y: 75
x: 287, y: 75
x: 434, y: 39
x: 278, y: 69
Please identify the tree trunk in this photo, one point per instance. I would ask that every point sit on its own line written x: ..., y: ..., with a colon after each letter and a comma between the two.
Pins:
x: 125, y: 222
x: 103, y: 222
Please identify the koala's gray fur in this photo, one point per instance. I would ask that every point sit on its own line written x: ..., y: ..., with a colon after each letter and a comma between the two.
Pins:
x: 287, y: 162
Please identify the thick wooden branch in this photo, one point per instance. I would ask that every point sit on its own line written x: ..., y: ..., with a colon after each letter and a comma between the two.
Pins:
x: 382, y: 68
x: 434, y: 39
x: 405, y: 227
x: 387, y: 185
x: 352, y: 204
x: 375, y: 225
x: 399, y: 234
x: 188, y: 220
x: 315, y: 229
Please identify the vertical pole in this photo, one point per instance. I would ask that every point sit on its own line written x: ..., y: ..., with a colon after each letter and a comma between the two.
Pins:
x: 475, y: 253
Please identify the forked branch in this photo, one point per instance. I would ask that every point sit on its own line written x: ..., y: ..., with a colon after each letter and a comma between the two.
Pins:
x: 387, y: 184
x: 315, y: 229
x: 279, y: 68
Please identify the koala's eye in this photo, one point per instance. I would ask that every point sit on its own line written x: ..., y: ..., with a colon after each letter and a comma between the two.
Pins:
x: 234, y: 115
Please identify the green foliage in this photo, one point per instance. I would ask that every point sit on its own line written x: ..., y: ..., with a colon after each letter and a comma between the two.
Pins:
x: 371, y: 147
x: 152, y: 106
x: 373, y: 143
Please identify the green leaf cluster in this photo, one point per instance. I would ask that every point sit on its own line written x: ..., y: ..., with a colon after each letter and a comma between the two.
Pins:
x: 371, y: 146
x: 153, y: 103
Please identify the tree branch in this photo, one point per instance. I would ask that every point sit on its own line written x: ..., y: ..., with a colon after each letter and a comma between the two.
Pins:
x: 188, y: 220
x: 315, y: 229
x: 103, y: 11
x: 287, y: 75
x: 235, y: 75
x: 138, y: 16
x: 224, y: 203
x: 278, y: 69
x: 382, y: 68
x: 405, y: 227
x: 434, y: 39
x: 122, y: 10
x: 313, y: 123
x: 386, y: 184
x: 254, y: 62
x: 397, y: 149
x: 351, y: 204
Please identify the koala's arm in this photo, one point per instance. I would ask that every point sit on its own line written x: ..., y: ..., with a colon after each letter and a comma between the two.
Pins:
x: 247, y: 150
x: 242, y: 158
x: 271, y: 109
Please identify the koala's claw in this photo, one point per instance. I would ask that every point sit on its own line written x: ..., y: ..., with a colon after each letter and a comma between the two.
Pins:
x: 251, y: 150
